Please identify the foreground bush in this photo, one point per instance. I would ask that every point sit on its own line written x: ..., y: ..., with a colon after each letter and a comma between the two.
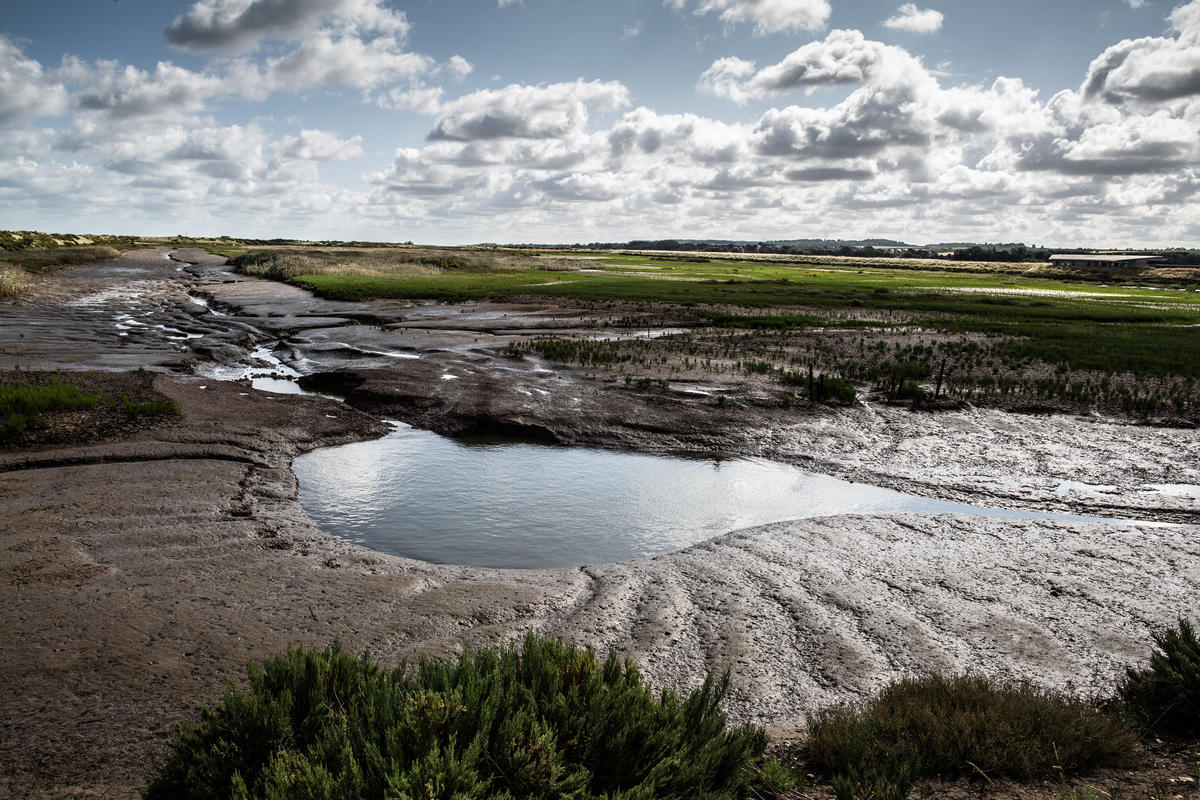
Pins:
x: 961, y: 726
x: 1166, y: 696
x: 547, y: 721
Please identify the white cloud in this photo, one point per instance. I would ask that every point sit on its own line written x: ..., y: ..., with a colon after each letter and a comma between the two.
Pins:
x: 167, y: 91
x: 727, y: 78
x: 238, y: 25
x: 768, y: 16
x: 915, y: 20
x: 527, y: 112
x: 458, y: 68
x: 312, y: 145
x: 1152, y: 69
x: 633, y: 31
x: 842, y: 58
x: 423, y: 100
x: 25, y: 88
x: 324, y: 59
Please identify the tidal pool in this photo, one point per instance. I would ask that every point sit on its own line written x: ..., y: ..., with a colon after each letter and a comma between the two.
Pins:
x: 505, y: 504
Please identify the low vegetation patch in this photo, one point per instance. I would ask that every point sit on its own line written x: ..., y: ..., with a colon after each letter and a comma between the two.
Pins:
x: 22, y: 405
x: 37, y: 260
x: 39, y: 408
x: 1165, y: 696
x: 144, y: 406
x: 544, y: 721
x: 962, y: 726
x: 387, y: 263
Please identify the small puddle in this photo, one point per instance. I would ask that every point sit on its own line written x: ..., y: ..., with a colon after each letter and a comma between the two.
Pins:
x: 265, y: 372
x: 504, y: 504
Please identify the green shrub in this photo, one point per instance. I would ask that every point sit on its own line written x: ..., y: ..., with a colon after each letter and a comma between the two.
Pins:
x: 546, y: 721
x: 1166, y: 696
x: 965, y: 725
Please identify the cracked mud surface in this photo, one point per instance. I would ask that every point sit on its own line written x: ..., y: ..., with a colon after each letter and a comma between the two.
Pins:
x: 141, y: 572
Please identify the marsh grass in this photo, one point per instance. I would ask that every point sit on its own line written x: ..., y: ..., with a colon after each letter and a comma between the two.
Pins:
x: 22, y: 405
x: 962, y: 726
x: 13, y: 282
x: 547, y: 720
x: 380, y: 263
x: 35, y: 260
x: 1039, y: 342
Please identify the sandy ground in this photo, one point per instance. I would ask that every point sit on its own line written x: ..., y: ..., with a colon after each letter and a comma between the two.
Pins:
x: 142, y: 571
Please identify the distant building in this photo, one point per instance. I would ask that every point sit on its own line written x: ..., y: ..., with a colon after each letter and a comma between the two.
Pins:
x: 1103, y: 260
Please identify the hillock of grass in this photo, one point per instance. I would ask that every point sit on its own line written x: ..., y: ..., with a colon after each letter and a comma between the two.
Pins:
x: 544, y: 721
x: 960, y: 727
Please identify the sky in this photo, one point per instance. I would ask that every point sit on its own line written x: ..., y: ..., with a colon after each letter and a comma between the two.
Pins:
x: 1071, y: 122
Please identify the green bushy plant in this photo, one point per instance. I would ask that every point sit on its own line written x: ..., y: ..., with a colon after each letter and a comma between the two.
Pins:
x: 1166, y: 695
x: 544, y: 721
x: 964, y: 725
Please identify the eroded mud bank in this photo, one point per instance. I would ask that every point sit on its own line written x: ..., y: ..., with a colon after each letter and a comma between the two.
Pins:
x: 143, y: 571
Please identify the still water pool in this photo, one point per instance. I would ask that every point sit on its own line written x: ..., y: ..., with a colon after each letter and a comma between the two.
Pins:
x: 501, y: 504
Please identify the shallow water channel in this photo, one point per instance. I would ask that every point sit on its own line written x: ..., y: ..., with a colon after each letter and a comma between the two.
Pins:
x: 414, y: 493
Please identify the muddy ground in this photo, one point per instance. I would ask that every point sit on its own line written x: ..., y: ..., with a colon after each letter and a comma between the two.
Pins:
x: 142, y: 568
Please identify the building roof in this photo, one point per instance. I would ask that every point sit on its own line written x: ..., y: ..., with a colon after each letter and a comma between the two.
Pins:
x: 1107, y: 257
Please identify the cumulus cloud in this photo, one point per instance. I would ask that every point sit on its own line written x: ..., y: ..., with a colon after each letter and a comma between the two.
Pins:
x: 768, y: 16
x: 313, y: 145
x: 1151, y: 69
x: 243, y: 24
x: 458, y: 68
x: 26, y: 90
x: 527, y: 112
x: 325, y: 59
x: 915, y: 20
x: 844, y: 57
x: 165, y: 91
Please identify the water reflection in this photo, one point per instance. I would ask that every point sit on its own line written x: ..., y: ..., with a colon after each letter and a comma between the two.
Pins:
x: 486, y: 503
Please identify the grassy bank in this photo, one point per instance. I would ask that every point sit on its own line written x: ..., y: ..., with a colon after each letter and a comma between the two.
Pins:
x: 16, y: 266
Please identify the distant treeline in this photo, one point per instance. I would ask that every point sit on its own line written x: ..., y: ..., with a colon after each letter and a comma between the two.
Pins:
x: 1013, y: 253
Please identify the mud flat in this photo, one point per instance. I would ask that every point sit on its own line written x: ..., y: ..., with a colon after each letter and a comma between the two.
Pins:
x: 142, y: 571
